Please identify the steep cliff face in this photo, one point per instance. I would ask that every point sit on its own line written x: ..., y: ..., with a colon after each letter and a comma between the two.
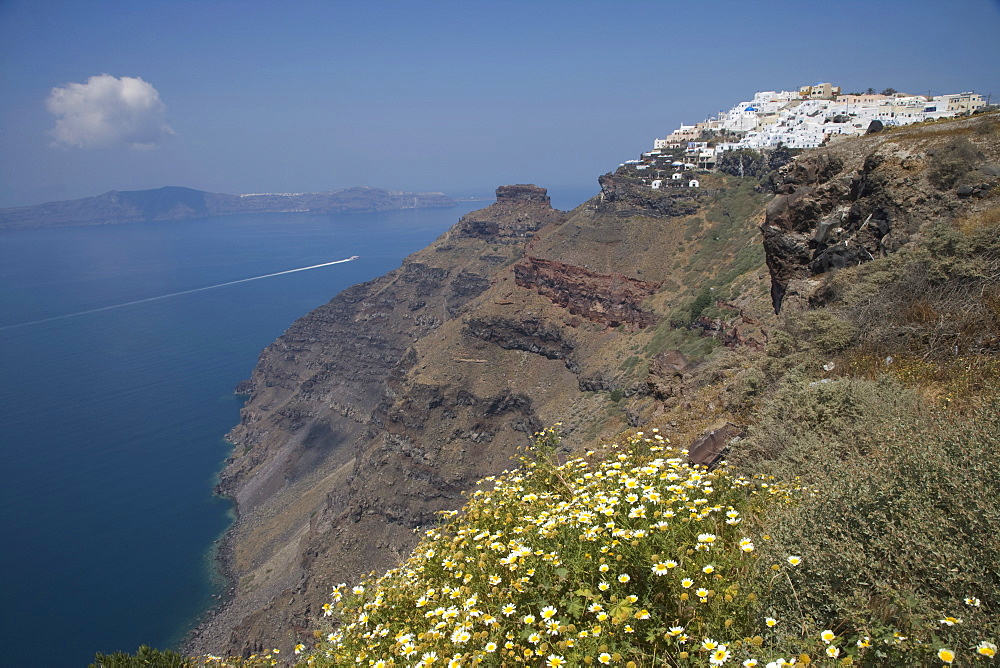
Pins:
x: 608, y: 299
x: 380, y: 408
x: 346, y: 443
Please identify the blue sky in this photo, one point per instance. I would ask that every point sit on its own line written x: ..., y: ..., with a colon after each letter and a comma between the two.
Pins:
x: 427, y: 95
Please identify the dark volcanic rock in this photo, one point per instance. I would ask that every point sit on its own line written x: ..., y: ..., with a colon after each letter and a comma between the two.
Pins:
x: 860, y: 201
x: 519, y: 212
x: 530, y: 335
x: 621, y: 195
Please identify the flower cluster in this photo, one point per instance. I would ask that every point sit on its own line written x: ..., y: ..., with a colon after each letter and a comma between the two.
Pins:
x: 628, y: 554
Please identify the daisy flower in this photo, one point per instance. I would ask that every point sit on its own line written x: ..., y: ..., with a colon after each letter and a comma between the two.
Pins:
x: 719, y: 656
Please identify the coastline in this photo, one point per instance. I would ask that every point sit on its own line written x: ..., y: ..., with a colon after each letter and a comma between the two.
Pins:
x: 219, y: 615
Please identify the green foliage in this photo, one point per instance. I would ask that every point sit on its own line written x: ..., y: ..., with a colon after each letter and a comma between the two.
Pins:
x: 145, y: 657
x: 672, y: 334
x: 904, y: 526
x: 827, y: 332
x: 930, y: 300
x: 630, y: 362
x: 700, y: 303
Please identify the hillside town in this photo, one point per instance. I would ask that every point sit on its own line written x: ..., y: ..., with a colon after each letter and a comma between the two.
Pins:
x: 805, y: 118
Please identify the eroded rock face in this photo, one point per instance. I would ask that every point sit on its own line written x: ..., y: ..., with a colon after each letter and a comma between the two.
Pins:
x: 861, y: 200
x: 528, y: 334
x: 345, y: 446
x: 611, y: 299
x: 520, y: 211
x: 667, y: 372
x: 624, y: 196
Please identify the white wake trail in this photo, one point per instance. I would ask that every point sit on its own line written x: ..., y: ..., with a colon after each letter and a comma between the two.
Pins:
x: 175, y: 294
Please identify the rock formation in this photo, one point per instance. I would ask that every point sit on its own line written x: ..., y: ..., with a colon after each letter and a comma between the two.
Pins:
x: 864, y: 199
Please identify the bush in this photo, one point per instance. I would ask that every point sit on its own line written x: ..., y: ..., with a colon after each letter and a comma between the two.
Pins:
x: 902, y: 531
x: 952, y: 163
x: 145, y: 657
x: 626, y: 556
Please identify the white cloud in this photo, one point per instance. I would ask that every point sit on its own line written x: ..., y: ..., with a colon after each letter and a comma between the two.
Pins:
x: 108, y: 111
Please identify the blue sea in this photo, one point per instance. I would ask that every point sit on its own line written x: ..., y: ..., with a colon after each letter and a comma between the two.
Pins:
x: 113, y: 413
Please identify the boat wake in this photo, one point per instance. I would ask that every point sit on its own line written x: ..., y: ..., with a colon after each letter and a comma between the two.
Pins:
x: 176, y: 294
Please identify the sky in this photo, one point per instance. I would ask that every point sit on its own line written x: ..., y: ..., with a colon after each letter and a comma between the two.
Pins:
x: 455, y: 96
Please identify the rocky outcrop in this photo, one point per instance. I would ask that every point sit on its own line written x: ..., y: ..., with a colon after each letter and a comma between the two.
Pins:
x: 530, y: 335
x: 610, y: 299
x: 625, y: 196
x: 175, y: 203
x: 668, y: 372
x: 861, y: 200
x: 520, y: 211
x: 710, y: 448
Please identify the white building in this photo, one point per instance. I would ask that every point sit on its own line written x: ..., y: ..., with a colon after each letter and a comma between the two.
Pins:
x: 809, y: 117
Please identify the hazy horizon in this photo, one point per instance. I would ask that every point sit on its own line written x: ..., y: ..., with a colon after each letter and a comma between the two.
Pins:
x: 452, y: 96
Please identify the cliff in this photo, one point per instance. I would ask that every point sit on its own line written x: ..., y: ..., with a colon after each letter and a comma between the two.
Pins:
x: 638, y: 308
x: 380, y: 408
x: 175, y: 203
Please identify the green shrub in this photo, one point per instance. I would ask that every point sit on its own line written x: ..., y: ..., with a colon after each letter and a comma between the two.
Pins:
x: 903, y: 529
x: 145, y: 657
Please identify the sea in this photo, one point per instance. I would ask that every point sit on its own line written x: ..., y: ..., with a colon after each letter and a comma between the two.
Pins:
x: 120, y: 348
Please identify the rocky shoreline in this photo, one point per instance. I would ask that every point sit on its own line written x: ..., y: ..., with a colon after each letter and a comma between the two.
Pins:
x: 215, y: 617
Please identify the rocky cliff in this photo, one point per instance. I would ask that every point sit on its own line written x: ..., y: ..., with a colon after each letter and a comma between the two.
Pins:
x: 382, y: 407
x: 175, y: 203
x: 863, y: 199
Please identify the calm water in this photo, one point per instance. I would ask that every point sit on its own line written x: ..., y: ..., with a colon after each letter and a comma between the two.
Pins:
x: 112, y: 422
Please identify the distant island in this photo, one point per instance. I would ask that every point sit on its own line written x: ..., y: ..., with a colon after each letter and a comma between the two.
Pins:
x: 177, y: 203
